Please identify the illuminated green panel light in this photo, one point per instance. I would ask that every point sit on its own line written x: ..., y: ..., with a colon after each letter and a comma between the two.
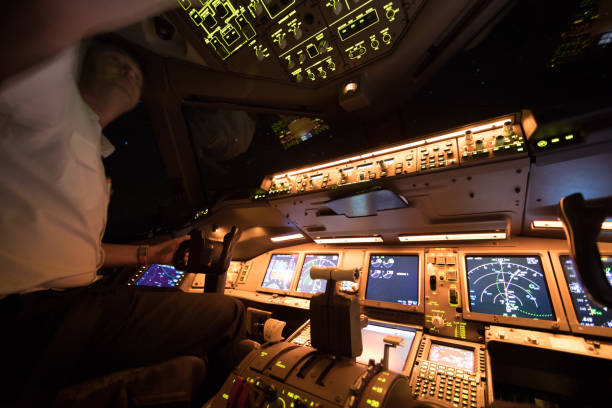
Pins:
x: 196, y: 17
x: 569, y: 137
x: 230, y: 35
x: 221, y: 22
x: 225, y: 396
x: 555, y: 140
x: 542, y: 143
x: 312, y: 50
x: 358, y: 24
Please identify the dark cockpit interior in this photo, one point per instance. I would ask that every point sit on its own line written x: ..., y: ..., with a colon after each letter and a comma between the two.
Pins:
x: 403, y: 175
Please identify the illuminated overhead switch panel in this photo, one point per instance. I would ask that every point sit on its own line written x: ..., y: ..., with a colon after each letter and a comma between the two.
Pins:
x: 224, y: 27
x: 313, y: 60
x: 369, y: 31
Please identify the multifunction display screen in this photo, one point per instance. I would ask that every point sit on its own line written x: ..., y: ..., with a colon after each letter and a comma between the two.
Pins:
x: 512, y: 286
x: 394, y: 279
x: 161, y: 276
x: 308, y: 285
x: 452, y: 356
x: 280, y: 271
x: 373, y: 346
x: 586, y: 313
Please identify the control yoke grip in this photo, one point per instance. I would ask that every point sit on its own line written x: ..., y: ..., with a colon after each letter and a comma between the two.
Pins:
x: 582, y: 224
x: 206, y: 256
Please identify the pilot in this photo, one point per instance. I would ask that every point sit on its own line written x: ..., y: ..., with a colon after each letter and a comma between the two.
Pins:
x: 59, y: 325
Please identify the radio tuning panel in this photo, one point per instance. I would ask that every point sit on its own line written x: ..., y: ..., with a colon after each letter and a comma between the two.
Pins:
x: 308, y: 43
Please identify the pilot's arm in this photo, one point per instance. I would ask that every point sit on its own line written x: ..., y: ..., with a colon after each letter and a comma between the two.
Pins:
x: 34, y: 30
x: 126, y: 255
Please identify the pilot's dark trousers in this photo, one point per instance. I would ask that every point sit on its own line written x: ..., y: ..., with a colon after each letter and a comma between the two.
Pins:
x: 50, y: 339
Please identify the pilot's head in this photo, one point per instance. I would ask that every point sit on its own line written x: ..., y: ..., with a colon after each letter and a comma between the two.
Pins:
x: 111, y: 80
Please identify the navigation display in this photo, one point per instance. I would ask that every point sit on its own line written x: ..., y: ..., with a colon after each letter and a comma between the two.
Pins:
x: 280, y: 271
x: 306, y: 284
x: 586, y: 313
x: 373, y: 346
x: 452, y: 356
x: 512, y: 286
x: 394, y: 279
x: 161, y: 276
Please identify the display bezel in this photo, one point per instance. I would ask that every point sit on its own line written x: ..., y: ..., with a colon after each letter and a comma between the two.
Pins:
x: 572, y: 317
x: 300, y: 257
x: 560, y: 322
x: 303, y: 255
x: 363, y: 281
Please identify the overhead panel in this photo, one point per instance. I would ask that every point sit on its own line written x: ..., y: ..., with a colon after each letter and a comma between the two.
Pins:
x: 306, y: 43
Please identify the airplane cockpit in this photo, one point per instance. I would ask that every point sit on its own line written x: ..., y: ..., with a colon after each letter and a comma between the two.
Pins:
x: 411, y: 198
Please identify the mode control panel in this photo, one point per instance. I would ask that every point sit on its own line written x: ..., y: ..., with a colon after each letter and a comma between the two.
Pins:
x: 499, y: 140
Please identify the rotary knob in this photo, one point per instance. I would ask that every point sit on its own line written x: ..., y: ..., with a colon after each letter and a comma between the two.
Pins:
x: 290, y: 64
x: 437, y: 322
x: 282, y: 42
x: 338, y: 7
x: 259, y: 54
x: 297, y: 34
x: 302, y: 57
x: 322, y: 46
x: 299, y: 78
x: 258, y: 9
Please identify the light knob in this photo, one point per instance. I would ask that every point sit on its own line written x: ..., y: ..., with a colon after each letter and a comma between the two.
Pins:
x: 297, y: 34
x: 258, y: 8
x: 322, y: 46
x: 338, y: 7
x: 437, y: 322
x: 282, y: 43
x: 259, y: 54
x: 302, y: 57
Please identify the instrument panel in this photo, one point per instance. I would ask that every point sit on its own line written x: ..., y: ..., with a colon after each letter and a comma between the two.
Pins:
x: 445, y: 306
x: 451, y: 292
x: 303, y: 42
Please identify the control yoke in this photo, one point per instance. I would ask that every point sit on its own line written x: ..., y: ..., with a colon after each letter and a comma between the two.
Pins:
x: 207, y: 256
x: 335, y: 325
x: 582, y: 224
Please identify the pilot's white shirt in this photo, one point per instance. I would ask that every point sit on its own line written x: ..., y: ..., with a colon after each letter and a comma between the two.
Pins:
x: 53, y: 190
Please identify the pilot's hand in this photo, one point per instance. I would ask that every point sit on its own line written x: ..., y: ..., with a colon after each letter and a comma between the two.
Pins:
x: 163, y: 253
